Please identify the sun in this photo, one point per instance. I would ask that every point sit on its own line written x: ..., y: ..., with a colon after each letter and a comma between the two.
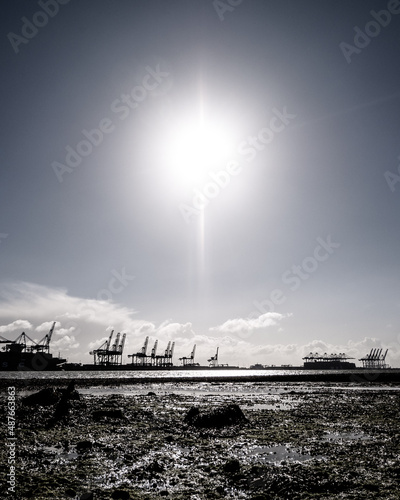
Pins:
x: 194, y: 148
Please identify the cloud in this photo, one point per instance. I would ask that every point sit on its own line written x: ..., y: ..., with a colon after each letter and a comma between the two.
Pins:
x: 245, y: 327
x: 19, y: 324
x: 46, y: 326
x: 66, y: 343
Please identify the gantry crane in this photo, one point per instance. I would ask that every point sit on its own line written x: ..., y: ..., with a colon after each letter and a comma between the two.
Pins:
x: 214, y: 360
x: 189, y: 361
x: 108, y: 354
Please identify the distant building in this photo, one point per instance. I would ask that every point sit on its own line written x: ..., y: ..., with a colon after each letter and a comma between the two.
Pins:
x: 315, y: 361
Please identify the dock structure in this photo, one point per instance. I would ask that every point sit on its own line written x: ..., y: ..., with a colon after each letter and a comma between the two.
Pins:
x: 213, y: 361
x: 165, y: 360
x: 375, y: 359
x: 315, y: 361
x: 110, y: 354
x: 25, y: 353
x: 160, y: 360
x: 141, y: 358
x: 189, y: 361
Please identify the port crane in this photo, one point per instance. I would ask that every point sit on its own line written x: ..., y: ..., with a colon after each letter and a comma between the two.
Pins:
x: 375, y: 359
x: 165, y: 359
x: 189, y: 361
x: 23, y: 343
x: 45, y: 342
x: 108, y: 354
x: 214, y: 360
x: 140, y: 358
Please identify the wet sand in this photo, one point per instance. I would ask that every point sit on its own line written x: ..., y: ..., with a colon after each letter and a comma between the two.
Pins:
x: 301, y: 440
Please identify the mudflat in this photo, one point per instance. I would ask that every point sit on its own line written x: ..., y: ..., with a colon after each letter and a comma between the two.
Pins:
x: 292, y: 441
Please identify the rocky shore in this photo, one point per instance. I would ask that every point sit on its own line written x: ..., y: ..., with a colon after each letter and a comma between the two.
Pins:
x: 221, y: 440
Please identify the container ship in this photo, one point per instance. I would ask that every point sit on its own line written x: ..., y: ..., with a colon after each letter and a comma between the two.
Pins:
x: 24, y: 353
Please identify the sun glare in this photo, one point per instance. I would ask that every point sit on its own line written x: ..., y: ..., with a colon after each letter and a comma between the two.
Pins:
x: 193, y: 149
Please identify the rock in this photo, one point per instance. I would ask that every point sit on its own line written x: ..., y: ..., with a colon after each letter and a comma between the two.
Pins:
x: 120, y: 495
x: 151, y: 393
x: 70, y: 392
x: 156, y: 468
x: 116, y: 413
x: 45, y: 397
x: 63, y: 406
x: 216, y: 417
x: 83, y: 446
x: 232, y: 466
x: 87, y: 496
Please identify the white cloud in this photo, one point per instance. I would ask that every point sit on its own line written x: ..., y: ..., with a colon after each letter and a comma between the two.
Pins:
x: 46, y: 326
x: 19, y: 324
x: 66, y: 343
x: 245, y: 327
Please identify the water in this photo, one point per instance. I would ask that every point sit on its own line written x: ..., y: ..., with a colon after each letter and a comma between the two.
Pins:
x: 145, y: 374
x: 219, y: 374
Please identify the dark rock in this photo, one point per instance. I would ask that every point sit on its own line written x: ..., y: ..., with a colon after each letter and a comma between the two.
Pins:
x: 192, y: 415
x: 45, y: 397
x: 63, y: 406
x: 116, y: 413
x: 151, y: 393
x: 87, y: 496
x: 216, y: 417
x: 164, y: 493
x: 73, y: 396
x: 232, y: 466
x: 120, y: 495
x: 156, y: 468
x: 83, y: 446
x: 70, y: 392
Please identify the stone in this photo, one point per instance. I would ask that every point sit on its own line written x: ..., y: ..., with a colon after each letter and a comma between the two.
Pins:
x: 45, y: 397
x: 232, y: 466
x: 87, y: 496
x: 83, y: 446
x: 120, y: 495
x: 222, y: 416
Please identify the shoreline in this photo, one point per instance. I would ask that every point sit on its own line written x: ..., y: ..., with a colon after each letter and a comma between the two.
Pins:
x: 356, y: 376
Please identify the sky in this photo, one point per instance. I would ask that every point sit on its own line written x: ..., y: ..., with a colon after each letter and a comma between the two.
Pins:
x: 218, y: 173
